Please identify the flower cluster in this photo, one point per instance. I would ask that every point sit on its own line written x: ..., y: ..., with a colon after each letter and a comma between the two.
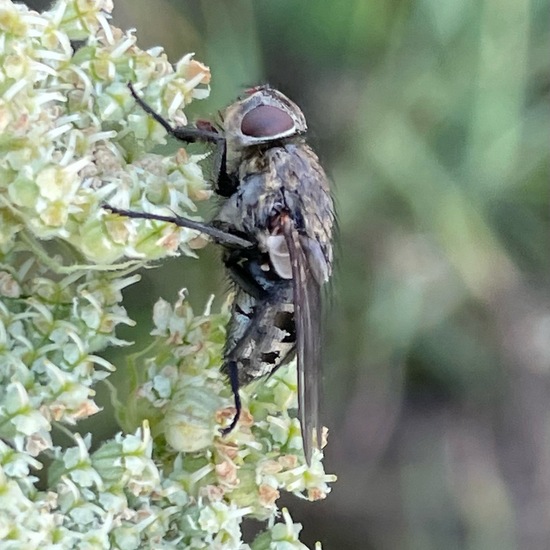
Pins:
x: 73, y: 137
x: 182, y: 392
x: 72, y: 140
x: 51, y: 331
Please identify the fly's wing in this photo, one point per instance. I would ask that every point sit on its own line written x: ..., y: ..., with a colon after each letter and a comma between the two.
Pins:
x: 307, y: 306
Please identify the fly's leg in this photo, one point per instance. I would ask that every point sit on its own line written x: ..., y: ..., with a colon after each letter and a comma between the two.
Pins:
x: 233, y: 374
x: 219, y: 236
x: 189, y: 134
x: 183, y: 133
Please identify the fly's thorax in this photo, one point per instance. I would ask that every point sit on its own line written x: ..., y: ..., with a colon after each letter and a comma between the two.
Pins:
x: 259, y: 196
x: 284, y: 178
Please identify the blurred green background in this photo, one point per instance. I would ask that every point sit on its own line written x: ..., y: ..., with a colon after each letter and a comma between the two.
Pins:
x: 432, y: 118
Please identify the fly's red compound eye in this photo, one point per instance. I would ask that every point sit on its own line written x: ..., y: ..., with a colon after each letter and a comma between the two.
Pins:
x: 266, y: 121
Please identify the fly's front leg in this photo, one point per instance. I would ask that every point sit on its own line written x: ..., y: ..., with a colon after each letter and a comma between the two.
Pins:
x: 204, y: 133
x: 183, y: 133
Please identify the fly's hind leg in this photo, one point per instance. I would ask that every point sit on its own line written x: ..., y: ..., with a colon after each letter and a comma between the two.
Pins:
x: 233, y: 375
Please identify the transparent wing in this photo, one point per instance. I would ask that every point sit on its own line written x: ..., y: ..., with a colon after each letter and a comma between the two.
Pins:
x: 307, y: 314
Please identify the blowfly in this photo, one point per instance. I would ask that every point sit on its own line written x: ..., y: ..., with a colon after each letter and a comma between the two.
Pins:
x: 275, y: 227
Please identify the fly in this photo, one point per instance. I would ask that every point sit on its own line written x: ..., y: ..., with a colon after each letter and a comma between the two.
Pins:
x: 275, y: 228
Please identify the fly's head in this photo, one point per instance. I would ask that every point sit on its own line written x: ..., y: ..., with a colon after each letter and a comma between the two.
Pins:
x: 263, y: 116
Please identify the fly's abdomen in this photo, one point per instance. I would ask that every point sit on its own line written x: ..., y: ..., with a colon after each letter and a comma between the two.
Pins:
x: 262, y: 334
